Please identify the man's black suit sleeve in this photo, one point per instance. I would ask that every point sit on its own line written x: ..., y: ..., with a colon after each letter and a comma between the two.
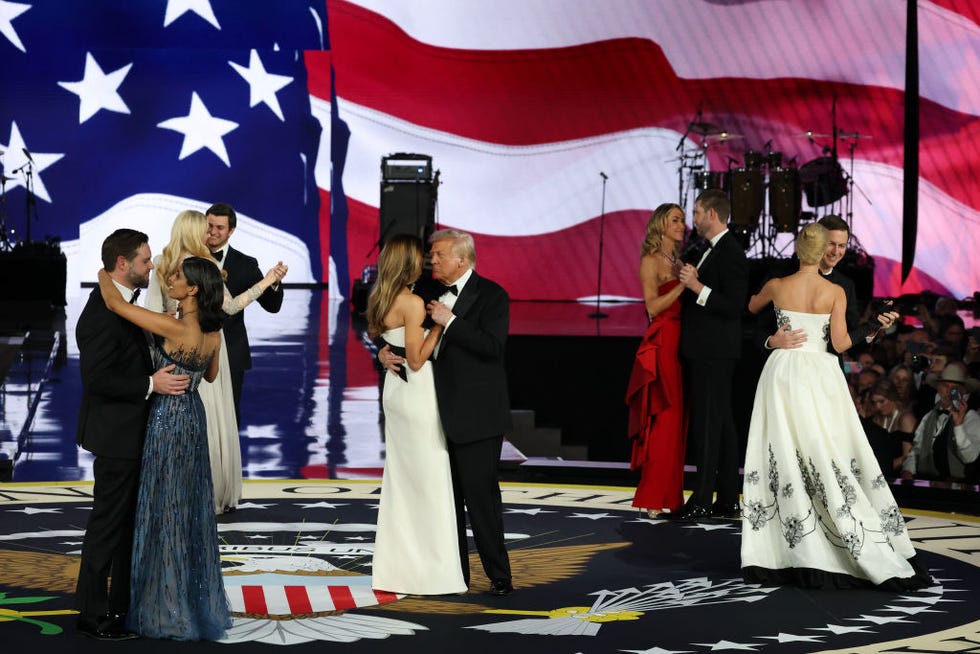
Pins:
x: 104, y: 342
x: 482, y: 331
x: 727, y: 297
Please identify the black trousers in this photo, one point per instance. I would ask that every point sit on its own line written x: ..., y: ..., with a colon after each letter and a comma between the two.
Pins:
x: 107, y: 549
x: 476, y: 489
x: 712, y: 437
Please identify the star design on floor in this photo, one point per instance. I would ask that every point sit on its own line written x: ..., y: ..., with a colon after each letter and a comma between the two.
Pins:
x: 320, y: 505
x: 910, y: 610
x: 651, y: 521
x: 882, y: 619
x: 592, y: 516
x: 201, y: 130
x: 262, y: 85
x: 708, y: 526
x: 839, y: 629
x: 793, y: 638
x: 254, y: 505
x: 657, y: 650
x: 724, y: 645
x: 98, y: 90
x: 534, y: 511
x: 30, y: 510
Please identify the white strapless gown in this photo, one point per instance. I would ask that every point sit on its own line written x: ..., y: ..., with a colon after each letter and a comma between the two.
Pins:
x: 416, y: 548
x: 814, y: 499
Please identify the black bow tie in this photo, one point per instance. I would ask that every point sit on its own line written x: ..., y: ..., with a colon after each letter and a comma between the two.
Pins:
x: 219, y: 255
x: 450, y: 289
x: 136, y: 294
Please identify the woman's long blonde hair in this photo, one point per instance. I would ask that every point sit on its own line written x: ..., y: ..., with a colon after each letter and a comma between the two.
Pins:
x: 186, y: 240
x: 399, y: 264
x: 656, y: 227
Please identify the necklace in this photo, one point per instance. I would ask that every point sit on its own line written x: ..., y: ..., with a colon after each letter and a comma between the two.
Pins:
x: 666, y: 256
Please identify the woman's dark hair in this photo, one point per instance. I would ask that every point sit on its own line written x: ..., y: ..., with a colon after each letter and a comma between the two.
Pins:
x: 210, y: 291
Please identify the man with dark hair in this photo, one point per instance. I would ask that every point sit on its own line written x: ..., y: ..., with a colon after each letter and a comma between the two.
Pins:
x: 243, y: 273
x: 117, y: 378
x: 711, y: 344
x: 840, y: 235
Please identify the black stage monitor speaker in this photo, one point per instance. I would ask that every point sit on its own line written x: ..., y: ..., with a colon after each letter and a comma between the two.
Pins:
x: 407, y: 208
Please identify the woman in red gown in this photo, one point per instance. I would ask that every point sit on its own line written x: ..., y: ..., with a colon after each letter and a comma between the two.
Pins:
x: 657, y: 413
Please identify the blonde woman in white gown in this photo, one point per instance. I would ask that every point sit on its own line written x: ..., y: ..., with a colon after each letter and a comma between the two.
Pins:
x: 416, y: 546
x: 816, y: 510
x: 187, y: 239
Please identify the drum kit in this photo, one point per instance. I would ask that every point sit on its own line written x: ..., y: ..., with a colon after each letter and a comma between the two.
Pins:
x: 766, y: 190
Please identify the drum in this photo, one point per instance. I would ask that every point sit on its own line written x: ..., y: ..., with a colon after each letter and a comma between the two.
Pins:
x: 705, y: 179
x: 748, y: 198
x: 774, y: 161
x: 823, y: 181
x: 753, y: 160
x: 785, y: 199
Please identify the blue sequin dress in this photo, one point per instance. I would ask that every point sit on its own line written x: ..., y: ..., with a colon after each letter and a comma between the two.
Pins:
x: 177, y: 590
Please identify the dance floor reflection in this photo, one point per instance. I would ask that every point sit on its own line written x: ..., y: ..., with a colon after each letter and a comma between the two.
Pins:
x: 310, y: 405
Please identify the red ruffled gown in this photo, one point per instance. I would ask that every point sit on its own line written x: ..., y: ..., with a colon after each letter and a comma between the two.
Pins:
x: 657, y: 413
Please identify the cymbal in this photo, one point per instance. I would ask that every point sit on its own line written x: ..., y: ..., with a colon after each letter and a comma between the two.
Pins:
x: 724, y: 136
x: 704, y: 128
x: 810, y: 135
x: 852, y: 135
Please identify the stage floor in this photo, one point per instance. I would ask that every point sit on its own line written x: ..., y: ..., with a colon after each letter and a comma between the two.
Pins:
x: 310, y: 403
x: 590, y: 575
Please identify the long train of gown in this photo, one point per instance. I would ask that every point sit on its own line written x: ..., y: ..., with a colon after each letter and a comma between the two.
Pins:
x: 219, y: 403
x: 416, y: 548
x: 657, y: 413
x: 816, y: 509
x: 176, y: 588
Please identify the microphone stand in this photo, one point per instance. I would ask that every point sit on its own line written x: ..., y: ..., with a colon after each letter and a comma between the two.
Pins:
x: 602, y: 219
x: 28, y: 175
x: 5, y: 245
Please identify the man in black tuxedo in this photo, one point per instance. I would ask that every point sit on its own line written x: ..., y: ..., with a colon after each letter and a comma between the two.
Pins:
x: 769, y: 338
x: 243, y: 273
x: 117, y: 379
x: 711, y: 343
x: 471, y: 390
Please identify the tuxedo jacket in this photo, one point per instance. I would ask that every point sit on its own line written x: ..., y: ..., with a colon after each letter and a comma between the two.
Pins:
x: 469, y: 369
x: 115, y: 364
x: 714, y: 331
x: 765, y: 325
x: 243, y: 273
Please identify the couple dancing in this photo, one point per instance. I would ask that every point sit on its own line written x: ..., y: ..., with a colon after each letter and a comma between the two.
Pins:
x: 444, y: 417
x: 816, y: 510
x: 702, y: 325
x: 152, y: 529
x: 194, y: 234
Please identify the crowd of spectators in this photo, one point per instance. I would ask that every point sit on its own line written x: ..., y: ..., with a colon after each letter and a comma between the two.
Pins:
x: 917, y: 393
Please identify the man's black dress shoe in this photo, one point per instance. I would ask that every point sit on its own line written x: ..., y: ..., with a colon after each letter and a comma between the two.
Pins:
x: 109, y: 627
x: 730, y: 510
x: 501, y: 587
x: 693, y: 512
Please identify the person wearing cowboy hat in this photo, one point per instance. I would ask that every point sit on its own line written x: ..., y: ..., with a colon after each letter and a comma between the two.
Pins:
x: 947, y: 440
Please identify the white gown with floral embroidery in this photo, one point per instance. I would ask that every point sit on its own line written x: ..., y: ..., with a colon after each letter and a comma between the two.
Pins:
x: 816, y: 509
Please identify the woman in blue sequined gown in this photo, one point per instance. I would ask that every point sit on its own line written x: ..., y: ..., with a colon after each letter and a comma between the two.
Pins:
x: 176, y: 586
x: 816, y: 510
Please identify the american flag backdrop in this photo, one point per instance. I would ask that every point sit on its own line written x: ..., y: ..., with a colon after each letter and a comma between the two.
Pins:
x: 133, y: 111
